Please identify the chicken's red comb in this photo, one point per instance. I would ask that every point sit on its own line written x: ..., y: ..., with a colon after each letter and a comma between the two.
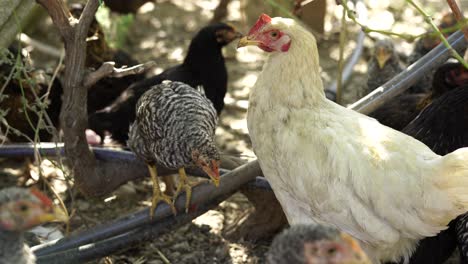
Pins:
x: 41, y: 196
x: 261, y: 22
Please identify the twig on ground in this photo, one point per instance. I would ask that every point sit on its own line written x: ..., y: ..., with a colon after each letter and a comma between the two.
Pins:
x: 163, y: 258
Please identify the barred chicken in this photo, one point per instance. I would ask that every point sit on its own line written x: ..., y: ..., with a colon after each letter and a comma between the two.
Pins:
x: 20, y: 210
x: 175, y: 127
x: 203, y: 66
x: 339, y: 167
x: 315, y: 244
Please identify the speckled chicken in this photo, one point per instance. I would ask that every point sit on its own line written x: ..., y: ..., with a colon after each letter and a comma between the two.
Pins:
x: 315, y: 244
x: 383, y: 65
x: 175, y: 127
x: 203, y: 66
x: 20, y: 210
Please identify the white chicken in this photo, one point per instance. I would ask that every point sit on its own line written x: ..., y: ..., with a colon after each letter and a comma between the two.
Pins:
x: 334, y: 166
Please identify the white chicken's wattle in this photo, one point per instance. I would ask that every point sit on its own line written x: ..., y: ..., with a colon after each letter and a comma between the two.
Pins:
x: 332, y: 165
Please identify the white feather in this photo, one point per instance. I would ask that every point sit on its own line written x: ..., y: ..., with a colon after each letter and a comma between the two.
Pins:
x: 331, y: 165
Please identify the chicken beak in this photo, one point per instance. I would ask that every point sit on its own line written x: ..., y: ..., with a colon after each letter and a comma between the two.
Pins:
x: 213, y: 172
x: 247, y: 41
x: 382, y: 58
x: 56, y: 214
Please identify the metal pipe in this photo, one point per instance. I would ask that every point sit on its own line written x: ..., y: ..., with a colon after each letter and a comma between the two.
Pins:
x: 229, y: 183
x: 409, y: 76
x: 147, y: 232
x: 50, y: 149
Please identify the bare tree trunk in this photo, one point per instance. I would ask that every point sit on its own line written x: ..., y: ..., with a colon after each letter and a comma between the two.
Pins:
x: 89, y: 178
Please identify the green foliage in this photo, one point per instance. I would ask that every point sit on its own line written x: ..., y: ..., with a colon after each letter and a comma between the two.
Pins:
x: 115, y: 28
x: 14, y: 68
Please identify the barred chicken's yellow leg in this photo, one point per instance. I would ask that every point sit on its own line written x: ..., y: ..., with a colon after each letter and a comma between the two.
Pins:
x: 187, y: 186
x: 157, y: 194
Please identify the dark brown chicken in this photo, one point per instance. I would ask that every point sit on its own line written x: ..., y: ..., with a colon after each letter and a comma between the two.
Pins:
x: 23, y: 100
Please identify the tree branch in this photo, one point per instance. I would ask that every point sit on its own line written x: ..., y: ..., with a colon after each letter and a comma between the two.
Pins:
x: 107, y: 70
x: 74, y: 114
x: 60, y: 15
x: 458, y: 16
x: 87, y: 17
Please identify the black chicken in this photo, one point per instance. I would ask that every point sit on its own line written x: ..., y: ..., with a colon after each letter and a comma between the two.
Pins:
x: 125, y: 6
x: 314, y: 244
x: 175, y: 127
x: 20, y: 210
x: 203, y: 66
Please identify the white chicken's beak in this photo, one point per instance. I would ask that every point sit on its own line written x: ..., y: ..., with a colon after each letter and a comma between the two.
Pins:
x: 247, y: 41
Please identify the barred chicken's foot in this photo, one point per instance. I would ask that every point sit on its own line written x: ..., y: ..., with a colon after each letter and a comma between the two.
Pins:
x: 185, y: 185
x: 161, y: 197
x: 158, y: 196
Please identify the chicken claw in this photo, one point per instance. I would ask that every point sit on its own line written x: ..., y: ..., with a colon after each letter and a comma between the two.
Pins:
x: 158, y: 196
x: 185, y: 184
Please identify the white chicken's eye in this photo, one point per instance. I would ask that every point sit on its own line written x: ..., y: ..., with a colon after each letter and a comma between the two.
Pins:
x: 274, y: 34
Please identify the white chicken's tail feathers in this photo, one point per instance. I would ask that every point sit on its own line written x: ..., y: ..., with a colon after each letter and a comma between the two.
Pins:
x: 453, y: 178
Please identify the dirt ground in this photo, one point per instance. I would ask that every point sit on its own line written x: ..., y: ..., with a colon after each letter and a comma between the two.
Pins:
x: 161, y: 31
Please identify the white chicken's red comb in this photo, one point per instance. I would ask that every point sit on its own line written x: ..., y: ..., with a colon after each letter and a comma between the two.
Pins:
x: 261, y: 22
x: 42, y: 197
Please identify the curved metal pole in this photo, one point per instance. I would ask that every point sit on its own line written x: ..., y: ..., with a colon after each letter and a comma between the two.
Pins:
x: 409, y: 76
x: 147, y: 232
x: 203, y: 193
x: 50, y: 149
